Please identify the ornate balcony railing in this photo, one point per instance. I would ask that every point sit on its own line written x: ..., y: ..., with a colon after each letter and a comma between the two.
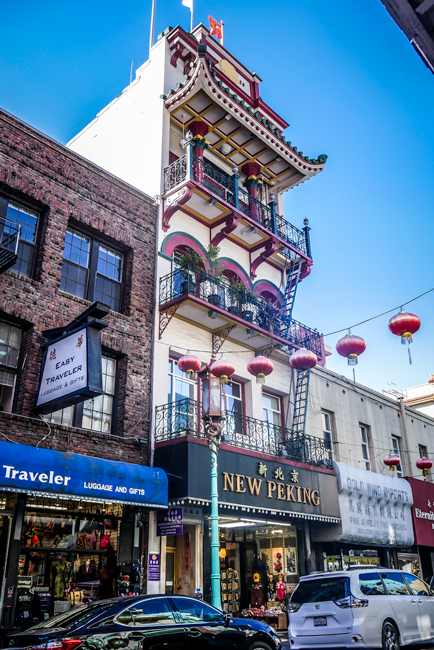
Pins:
x: 9, y: 240
x: 250, y: 308
x: 183, y: 418
x: 226, y: 188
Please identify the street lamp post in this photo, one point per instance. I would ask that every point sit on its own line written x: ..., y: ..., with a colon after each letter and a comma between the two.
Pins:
x: 213, y: 415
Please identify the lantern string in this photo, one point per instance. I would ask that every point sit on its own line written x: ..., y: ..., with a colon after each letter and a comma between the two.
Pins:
x: 382, y: 314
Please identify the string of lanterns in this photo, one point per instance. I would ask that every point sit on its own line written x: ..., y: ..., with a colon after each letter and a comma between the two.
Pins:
x: 402, y: 324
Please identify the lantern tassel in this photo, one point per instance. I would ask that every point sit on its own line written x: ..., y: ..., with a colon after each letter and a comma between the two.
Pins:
x: 409, y: 356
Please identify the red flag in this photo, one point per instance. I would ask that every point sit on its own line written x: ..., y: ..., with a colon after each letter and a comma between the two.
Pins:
x: 216, y: 28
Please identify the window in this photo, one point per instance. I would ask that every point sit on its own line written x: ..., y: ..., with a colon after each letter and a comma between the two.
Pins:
x: 416, y: 585
x: 371, y: 584
x: 92, y: 270
x: 28, y: 220
x: 327, y: 430
x: 395, y: 584
x: 181, y: 390
x: 365, y: 447
x: 423, y: 451
x: 196, y: 611
x: 234, y: 407
x: 10, y: 344
x: 95, y: 414
x: 149, y: 612
x: 180, y: 386
x: 396, y: 450
x: 271, y: 409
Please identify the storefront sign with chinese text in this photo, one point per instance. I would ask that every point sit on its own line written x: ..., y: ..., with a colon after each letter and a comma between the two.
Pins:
x: 375, y: 509
x: 154, y: 566
x: 169, y: 522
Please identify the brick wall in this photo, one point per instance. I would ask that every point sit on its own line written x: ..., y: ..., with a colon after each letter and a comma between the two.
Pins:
x: 68, y: 190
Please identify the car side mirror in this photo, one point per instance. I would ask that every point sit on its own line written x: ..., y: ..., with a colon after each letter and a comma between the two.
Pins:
x: 228, y: 618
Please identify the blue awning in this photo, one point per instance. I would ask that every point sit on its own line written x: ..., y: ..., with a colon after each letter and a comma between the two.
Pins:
x: 45, y: 472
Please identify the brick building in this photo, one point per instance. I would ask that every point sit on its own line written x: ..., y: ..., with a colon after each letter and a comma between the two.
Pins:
x: 85, y: 237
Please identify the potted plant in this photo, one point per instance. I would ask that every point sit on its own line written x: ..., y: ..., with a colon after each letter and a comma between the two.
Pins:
x: 191, y: 262
x: 216, y: 295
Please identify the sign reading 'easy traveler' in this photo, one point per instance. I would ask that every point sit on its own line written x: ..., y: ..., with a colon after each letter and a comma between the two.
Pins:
x: 71, y: 370
x: 43, y: 471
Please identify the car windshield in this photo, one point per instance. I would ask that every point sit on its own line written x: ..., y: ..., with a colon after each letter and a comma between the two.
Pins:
x: 321, y: 590
x: 75, y: 617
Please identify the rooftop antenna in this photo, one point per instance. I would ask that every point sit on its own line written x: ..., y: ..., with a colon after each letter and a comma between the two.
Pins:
x: 131, y: 71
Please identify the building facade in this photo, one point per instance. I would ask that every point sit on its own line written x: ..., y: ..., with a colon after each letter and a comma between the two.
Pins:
x: 76, y: 254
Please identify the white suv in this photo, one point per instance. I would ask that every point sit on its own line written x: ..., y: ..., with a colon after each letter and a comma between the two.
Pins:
x: 361, y: 608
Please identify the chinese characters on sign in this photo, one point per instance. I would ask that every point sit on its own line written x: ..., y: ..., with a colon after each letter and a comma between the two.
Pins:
x: 169, y: 522
x: 154, y: 566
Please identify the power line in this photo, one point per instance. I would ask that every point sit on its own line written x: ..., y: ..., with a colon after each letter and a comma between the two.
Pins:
x: 378, y: 315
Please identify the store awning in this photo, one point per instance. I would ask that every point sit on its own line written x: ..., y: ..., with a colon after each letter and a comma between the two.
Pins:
x: 44, y: 472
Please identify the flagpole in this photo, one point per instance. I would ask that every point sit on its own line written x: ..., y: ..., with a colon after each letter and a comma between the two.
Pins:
x: 192, y: 16
x: 222, y: 40
x: 151, y: 34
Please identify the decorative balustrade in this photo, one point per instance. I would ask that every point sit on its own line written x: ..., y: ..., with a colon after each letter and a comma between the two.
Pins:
x: 226, y: 188
x: 250, y: 308
x: 183, y: 418
x: 9, y: 240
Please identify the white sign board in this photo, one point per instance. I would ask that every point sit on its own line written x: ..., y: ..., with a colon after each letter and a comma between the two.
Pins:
x: 65, y: 369
x: 375, y: 508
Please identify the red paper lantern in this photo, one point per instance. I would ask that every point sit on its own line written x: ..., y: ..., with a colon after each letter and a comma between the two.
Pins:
x: 189, y: 364
x: 303, y: 359
x: 351, y: 347
x: 392, y: 461
x: 404, y: 325
x: 424, y: 464
x: 260, y: 367
x: 223, y: 369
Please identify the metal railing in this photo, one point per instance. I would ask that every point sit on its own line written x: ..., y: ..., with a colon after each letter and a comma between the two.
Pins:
x: 183, y: 418
x: 250, y: 308
x: 9, y: 240
x: 226, y: 188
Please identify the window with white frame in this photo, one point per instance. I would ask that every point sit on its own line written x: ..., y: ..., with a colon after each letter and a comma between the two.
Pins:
x: 182, y: 395
x: 234, y: 407
x: 396, y: 448
x: 180, y: 385
x: 423, y: 451
x: 28, y: 220
x: 364, y: 438
x: 327, y: 430
x: 10, y: 345
x: 96, y: 414
x: 271, y: 409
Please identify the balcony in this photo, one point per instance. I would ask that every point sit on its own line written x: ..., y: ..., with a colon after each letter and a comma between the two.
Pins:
x: 183, y: 418
x: 203, y: 299
x: 225, y: 188
x: 9, y: 240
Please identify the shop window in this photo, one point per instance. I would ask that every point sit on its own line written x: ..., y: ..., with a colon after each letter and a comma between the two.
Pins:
x: 394, y: 583
x: 364, y: 438
x: 92, y: 270
x: 327, y: 431
x: 28, y: 220
x: 371, y: 584
x: 10, y: 344
x: 396, y: 448
x: 96, y: 414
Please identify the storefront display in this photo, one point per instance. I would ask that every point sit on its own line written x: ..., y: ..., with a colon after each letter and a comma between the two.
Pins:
x: 420, y: 558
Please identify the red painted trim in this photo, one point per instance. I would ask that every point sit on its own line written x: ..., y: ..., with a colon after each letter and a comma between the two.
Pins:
x: 270, y: 248
x: 245, y: 452
x: 230, y: 266
x: 265, y: 286
x: 231, y: 225
x: 168, y: 214
x: 183, y: 240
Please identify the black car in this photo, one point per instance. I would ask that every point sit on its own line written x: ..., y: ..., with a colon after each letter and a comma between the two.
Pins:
x: 151, y: 622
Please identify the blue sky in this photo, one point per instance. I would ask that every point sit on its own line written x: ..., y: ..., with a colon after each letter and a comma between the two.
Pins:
x: 350, y: 85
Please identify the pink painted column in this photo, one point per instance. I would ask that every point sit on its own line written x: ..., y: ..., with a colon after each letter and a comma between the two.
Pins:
x: 252, y: 182
x: 199, y: 130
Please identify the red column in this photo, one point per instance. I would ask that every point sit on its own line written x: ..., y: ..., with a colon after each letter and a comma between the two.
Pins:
x: 251, y: 170
x: 199, y: 130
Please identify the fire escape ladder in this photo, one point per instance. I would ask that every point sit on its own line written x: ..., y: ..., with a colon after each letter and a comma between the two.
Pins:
x: 300, y: 402
x: 290, y: 291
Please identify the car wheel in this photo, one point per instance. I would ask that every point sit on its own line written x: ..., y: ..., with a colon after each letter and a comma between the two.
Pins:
x: 390, y: 637
x: 260, y: 645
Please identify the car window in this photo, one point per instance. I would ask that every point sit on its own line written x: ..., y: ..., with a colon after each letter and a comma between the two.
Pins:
x: 321, y: 590
x: 74, y: 618
x: 416, y: 585
x: 395, y: 584
x: 371, y: 584
x: 152, y: 612
x: 125, y: 618
x: 196, y: 611
x: 108, y: 620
